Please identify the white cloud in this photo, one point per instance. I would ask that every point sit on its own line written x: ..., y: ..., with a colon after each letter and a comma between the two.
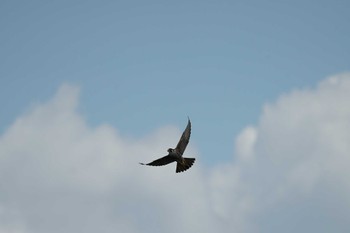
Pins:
x: 245, y: 143
x: 59, y: 175
x: 301, y: 171
x: 291, y: 174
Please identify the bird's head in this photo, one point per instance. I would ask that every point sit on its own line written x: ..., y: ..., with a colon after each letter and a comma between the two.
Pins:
x: 170, y: 150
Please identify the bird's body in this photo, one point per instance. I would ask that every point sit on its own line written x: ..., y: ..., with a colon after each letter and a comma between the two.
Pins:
x: 175, y: 155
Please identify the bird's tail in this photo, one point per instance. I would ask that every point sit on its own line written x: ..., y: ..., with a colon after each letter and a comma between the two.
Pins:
x: 185, y: 164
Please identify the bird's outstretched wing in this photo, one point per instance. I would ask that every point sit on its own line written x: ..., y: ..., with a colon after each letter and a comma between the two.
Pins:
x: 185, y: 138
x: 162, y: 161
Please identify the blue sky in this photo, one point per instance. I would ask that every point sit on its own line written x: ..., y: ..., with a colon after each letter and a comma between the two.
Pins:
x: 141, y: 65
x: 251, y: 75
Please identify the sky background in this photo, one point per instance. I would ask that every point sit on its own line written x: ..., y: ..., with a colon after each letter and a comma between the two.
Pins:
x: 90, y: 88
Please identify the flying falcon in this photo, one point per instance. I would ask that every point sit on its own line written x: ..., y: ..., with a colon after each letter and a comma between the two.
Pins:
x: 175, y: 155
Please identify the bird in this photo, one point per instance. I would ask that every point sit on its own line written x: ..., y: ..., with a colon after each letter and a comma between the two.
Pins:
x: 175, y: 155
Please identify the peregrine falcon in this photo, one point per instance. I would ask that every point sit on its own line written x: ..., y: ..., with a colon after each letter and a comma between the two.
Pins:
x: 175, y: 155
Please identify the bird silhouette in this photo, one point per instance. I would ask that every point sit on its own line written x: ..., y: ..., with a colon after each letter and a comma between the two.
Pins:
x: 175, y: 155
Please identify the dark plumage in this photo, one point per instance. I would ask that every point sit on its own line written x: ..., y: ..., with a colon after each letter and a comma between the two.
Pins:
x: 175, y: 155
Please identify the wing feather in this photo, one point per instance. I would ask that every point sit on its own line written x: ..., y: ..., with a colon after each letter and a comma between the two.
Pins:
x: 162, y: 161
x: 185, y: 138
